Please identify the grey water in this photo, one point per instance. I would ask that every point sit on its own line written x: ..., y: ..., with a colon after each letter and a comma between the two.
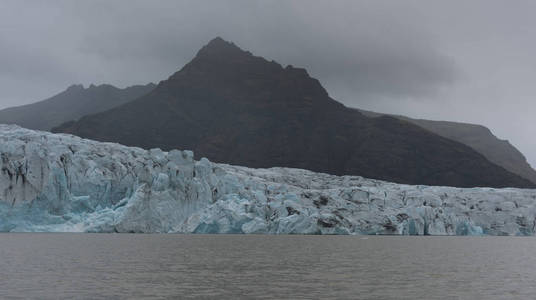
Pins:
x: 130, y: 266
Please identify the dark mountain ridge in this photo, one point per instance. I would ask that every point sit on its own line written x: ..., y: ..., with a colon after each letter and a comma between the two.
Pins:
x: 233, y: 107
x: 71, y: 104
x: 478, y: 137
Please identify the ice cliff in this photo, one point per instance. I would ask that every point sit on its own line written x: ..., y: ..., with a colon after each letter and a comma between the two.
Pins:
x: 56, y: 182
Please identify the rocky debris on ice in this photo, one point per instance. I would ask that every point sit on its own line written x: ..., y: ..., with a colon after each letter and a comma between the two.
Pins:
x: 57, y: 182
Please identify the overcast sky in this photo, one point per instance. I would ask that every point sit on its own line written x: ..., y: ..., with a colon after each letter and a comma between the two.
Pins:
x: 472, y: 61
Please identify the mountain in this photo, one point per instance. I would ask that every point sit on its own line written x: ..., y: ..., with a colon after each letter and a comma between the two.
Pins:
x: 233, y: 107
x: 72, y: 184
x: 71, y: 104
x: 478, y: 137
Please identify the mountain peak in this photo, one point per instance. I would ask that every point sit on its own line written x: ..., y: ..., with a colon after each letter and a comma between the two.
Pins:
x: 225, y: 64
x: 75, y: 88
x: 218, y: 47
x: 218, y: 40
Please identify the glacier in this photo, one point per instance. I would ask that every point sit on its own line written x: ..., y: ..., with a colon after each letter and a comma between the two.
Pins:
x: 62, y: 183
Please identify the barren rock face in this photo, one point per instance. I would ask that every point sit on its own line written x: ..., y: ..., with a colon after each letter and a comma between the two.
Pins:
x: 478, y: 137
x: 56, y: 182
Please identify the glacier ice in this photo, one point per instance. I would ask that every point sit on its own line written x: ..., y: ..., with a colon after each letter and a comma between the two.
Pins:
x: 58, y: 182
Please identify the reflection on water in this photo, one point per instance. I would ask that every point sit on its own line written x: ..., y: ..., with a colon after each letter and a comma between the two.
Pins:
x: 283, y: 267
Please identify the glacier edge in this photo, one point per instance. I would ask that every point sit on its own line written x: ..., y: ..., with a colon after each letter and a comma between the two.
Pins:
x: 58, y: 182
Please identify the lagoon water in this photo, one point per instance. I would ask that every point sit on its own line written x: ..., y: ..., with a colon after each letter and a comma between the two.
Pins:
x: 127, y: 266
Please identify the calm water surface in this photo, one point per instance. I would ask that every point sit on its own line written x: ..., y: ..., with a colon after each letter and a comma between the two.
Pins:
x: 126, y: 266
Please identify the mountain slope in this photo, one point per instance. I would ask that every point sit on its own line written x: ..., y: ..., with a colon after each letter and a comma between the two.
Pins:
x: 233, y: 107
x: 481, y: 139
x: 71, y: 104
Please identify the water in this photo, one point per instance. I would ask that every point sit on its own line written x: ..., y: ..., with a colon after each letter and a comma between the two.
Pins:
x: 115, y: 266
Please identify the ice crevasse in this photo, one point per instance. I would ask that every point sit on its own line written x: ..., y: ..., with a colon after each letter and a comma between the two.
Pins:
x: 58, y: 182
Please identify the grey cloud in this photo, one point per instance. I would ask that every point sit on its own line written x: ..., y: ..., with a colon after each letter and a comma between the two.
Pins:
x: 367, y: 55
